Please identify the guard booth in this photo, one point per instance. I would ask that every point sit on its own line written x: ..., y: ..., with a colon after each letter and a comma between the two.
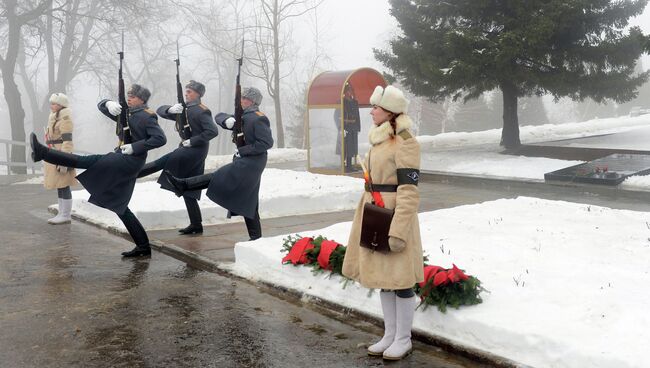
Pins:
x: 338, y: 119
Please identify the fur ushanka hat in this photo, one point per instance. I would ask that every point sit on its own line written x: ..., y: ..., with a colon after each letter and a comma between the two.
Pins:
x: 59, y: 99
x: 390, y: 99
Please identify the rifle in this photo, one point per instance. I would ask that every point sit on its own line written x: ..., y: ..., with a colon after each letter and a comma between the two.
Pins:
x: 182, y: 124
x: 237, y: 133
x: 122, y: 128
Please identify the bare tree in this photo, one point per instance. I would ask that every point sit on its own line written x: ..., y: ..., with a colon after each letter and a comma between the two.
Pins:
x: 221, y: 47
x: 13, y: 18
x: 62, y: 39
x: 318, y: 61
x: 272, y: 37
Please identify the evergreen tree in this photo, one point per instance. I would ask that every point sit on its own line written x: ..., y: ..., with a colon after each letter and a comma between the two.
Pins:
x: 475, y: 115
x: 462, y: 48
x: 642, y: 99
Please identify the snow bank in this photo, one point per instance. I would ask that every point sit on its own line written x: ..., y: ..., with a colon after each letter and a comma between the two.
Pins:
x: 564, y: 280
x: 282, y: 193
x: 488, y: 163
x: 538, y: 133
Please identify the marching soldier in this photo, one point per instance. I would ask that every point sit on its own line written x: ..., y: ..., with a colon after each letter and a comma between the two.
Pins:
x: 110, y: 178
x: 189, y: 158
x: 236, y: 186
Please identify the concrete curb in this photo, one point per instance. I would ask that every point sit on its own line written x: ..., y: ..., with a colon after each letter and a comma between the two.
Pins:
x: 500, y: 182
x: 331, y: 309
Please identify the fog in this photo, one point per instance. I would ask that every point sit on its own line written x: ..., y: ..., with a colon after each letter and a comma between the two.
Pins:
x: 318, y: 36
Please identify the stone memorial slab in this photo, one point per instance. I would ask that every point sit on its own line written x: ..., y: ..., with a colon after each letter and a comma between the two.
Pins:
x: 608, y: 170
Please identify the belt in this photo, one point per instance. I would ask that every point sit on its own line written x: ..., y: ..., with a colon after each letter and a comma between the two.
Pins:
x: 54, y: 141
x: 382, y: 188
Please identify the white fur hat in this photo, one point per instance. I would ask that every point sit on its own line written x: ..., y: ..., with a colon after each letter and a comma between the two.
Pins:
x: 59, y: 99
x: 390, y: 98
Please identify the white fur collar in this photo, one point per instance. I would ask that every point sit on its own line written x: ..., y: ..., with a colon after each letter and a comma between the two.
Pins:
x: 384, y: 131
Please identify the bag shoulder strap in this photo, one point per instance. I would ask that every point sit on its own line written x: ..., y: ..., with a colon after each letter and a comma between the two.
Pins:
x: 369, y: 175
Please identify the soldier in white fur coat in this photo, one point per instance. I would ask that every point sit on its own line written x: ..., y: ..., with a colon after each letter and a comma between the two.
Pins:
x: 59, y: 137
x: 394, y: 163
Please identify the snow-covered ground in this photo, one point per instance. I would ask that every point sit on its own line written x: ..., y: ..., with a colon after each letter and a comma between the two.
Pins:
x: 566, y: 280
x: 282, y: 193
x: 485, y: 160
x: 535, y: 133
x: 477, y: 153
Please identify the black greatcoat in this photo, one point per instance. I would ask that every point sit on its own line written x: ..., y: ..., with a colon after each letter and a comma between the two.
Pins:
x: 185, y: 162
x: 236, y: 186
x: 110, y: 181
x: 351, y: 125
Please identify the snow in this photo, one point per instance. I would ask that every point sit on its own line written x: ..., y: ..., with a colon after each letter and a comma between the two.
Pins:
x: 282, y: 193
x: 535, y: 133
x: 559, y: 296
x: 477, y: 153
x: 486, y: 161
x: 565, y: 279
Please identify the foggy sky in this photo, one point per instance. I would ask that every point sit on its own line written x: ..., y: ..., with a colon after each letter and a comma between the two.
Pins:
x: 359, y: 25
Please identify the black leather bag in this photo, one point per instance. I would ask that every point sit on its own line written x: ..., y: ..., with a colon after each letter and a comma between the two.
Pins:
x: 375, y: 225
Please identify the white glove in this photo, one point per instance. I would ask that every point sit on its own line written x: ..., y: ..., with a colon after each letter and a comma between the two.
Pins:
x: 237, y: 153
x: 127, y: 149
x: 62, y: 169
x: 396, y: 244
x: 175, y: 109
x: 187, y: 143
x: 113, y: 107
x: 230, y: 122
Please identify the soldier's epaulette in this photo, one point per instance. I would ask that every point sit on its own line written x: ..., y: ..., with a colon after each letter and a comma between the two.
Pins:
x: 405, y: 134
x: 150, y: 112
x: 259, y: 113
x: 203, y: 106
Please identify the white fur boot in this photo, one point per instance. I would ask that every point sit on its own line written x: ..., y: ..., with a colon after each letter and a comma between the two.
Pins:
x: 64, y: 215
x: 402, y: 345
x: 388, y: 308
x: 58, y: 214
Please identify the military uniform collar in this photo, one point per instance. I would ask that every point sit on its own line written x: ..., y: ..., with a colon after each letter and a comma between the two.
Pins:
x: 194, y: 103
x: 135, y: 109
x: 252, y: 108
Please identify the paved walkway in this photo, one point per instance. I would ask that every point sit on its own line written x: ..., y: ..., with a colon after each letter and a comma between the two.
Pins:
x: 215, y: 247
x: 67, y: 299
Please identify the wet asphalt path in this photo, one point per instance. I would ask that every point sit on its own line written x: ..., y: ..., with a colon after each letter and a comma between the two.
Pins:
x: 68, y: 299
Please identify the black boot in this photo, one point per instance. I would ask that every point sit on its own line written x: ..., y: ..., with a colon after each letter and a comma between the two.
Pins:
x: 39, y: 151
x: 254, y: 226
x: 138, y: 251
x: 137, y: 232
x: 192, y: 229
x: 183, y: 185
x: 194, y: 212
